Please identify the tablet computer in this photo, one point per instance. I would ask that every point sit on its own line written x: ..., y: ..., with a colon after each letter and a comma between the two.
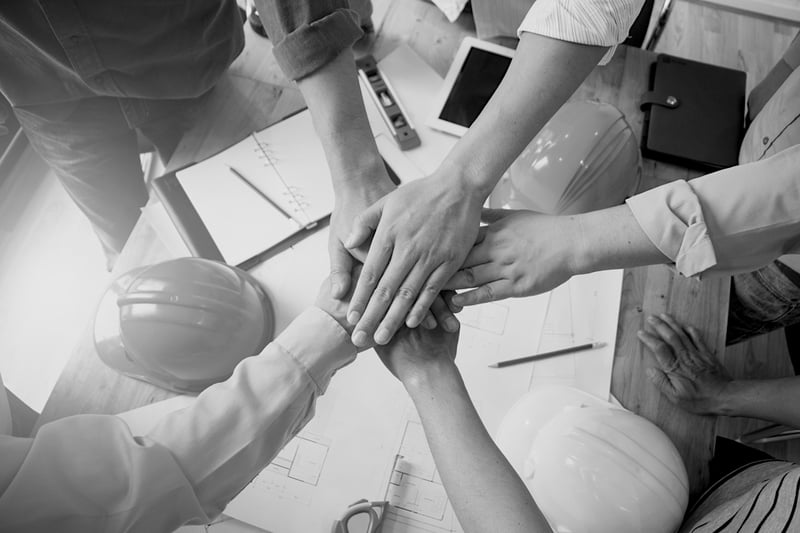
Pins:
x: 476, y: 72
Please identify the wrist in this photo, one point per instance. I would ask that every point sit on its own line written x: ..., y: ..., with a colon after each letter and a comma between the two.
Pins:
x: 427, y: 377
x: 463, y: 176
x: 729, y: 400
x: 361, y: 182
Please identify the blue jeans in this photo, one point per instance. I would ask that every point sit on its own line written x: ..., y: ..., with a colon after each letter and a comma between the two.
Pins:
x: 762, y: 301
x: 92, y: 146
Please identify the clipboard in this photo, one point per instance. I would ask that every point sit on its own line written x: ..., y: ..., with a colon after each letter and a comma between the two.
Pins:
x: 694, y: 113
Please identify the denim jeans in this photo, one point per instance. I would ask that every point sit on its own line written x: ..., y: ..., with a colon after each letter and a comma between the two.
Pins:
x: 762, y: 301
x: 92, y: 146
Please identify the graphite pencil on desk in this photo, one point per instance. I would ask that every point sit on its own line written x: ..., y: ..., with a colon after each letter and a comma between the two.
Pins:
x: 262, y: 195
x: 547, y: 355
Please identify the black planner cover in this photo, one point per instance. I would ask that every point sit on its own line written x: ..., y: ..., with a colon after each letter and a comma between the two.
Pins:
x: 694, y: 113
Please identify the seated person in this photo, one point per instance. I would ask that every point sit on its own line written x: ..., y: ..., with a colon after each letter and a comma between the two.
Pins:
x: 89, y: 473
x: 729, y: 222
x: 489, y: 495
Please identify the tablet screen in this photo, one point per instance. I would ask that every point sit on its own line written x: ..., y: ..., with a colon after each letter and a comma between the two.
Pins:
x: 475, y: 84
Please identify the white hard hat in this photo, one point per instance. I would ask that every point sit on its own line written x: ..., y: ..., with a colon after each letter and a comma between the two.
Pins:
x: 592, y: 466
x: 585, y: 158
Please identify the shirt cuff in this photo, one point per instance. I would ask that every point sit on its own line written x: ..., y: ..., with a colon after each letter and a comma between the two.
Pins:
x: 672, y: 218
x: 319, y: 344
x: 312, y: 46
x: 596, y: 23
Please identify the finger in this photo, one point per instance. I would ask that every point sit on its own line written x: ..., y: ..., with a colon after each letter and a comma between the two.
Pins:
x: 661, y: 381
x: 398, y: 306
x: 380, y: 253
x: 426, y: 297
x: 678, y: 329
x: 493, y: 215
x: 386, y: 292
x: 448, y: 298
x: 481, y: 253
x: 443, y: 314
x: 341, y: 268
x: 364, y: 224
x: 470, y: 277
x: 698, y: 341
x: 667, y: 334
x: 429, y: 322
x: 482, y: 231
x: 663, y: 353
x: 491, y: 292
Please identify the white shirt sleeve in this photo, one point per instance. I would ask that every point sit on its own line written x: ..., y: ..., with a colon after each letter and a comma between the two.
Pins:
x: 593, y: 22
x: 734, y: 220
x: 88, y: 473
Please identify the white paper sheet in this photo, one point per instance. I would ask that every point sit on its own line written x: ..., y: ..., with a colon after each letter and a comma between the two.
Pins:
x: 585, y: 309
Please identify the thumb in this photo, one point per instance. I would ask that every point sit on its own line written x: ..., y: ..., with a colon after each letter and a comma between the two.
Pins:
x: 493, y: 215
x: 364, y: 224
x: 341, y: 267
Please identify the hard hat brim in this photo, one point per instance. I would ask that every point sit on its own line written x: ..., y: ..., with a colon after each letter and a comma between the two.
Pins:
x: 107, y: 333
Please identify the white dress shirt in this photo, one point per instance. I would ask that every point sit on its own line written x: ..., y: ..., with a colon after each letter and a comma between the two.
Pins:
x: 593, y: 22
x: 88, y: 473
x: 741, y: 218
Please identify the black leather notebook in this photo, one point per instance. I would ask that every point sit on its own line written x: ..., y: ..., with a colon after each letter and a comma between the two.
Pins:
x: 694, y: 113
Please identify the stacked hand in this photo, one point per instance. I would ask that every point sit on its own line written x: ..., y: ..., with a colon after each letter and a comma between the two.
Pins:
x: 413, y: 353
x: 422, y: 233
x: 688, y: 374
x: 520, y: 253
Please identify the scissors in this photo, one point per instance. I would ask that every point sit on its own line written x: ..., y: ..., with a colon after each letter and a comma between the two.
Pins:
x: 362, y: 516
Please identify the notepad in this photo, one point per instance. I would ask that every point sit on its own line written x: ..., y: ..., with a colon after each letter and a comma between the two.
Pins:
x: 218, y: 212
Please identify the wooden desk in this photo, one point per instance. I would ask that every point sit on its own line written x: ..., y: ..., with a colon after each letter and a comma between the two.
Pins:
x: 254, y: 95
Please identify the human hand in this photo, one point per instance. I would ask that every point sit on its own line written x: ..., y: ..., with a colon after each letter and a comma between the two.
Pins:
x: 350, y: 204
x: 520, y: 253
x: 688, y: 374
x: 413, y: 352
x: 423, y: 231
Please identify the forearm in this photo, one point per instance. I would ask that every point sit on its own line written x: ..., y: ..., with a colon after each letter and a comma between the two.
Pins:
x: 334, y: 98
x: 776, y: 400
x: 542, y: 75
x: 484, y: 490
x: 612, y: 238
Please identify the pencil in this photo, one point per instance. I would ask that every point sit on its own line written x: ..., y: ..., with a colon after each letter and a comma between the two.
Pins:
x: 547, y: 355
x: 264, y: 196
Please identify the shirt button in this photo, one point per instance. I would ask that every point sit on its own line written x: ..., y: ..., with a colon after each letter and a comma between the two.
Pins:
x: 764, y: 141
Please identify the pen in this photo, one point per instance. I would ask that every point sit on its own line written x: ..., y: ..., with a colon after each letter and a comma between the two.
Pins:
x: 547, y: 355
x: 264, y: 196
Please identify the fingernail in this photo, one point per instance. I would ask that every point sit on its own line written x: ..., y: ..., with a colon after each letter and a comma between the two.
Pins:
x: 382, y: 336
x: 353, y: 317
x: 456, y: 300
x: 650, y: 373
x: 451, y: 325
x: 337, y: 289
x: 640, y: 334
x: 664, y: 316
x: 348, y: 242
x: 360, y: 338
x: 651, y: 319
x: 429, y: 322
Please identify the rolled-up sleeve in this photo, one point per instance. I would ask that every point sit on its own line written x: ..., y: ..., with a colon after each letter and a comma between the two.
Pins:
x: 308, y: 34
x: 592, y: 22
x: 88, y: 473
x: 733, y: 220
